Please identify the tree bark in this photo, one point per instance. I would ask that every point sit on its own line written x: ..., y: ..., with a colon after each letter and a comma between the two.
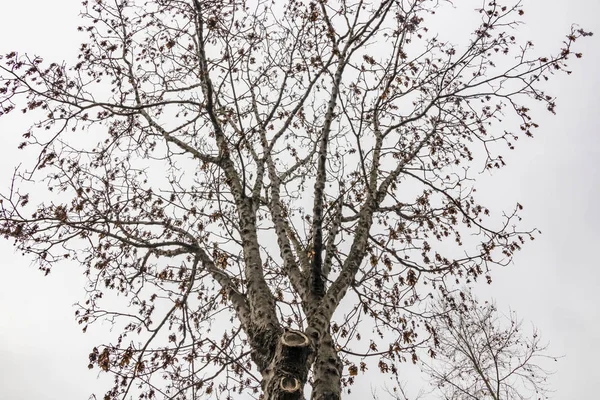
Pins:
x: 327, y: 371
x: 286, y: 376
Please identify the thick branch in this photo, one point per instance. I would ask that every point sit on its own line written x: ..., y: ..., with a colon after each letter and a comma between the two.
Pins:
x: 261, y: 300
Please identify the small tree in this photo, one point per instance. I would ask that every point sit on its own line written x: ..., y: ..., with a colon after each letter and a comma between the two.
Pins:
x: 268, y: 184
x: 482, y: 354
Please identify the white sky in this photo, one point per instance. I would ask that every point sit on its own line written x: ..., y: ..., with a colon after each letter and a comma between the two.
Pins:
x: 554, y: 282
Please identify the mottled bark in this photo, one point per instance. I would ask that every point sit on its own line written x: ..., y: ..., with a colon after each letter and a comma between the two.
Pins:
x: 289, y: 261
x: 317, y: 281
x: 285, y: 377
x: 327, y: 370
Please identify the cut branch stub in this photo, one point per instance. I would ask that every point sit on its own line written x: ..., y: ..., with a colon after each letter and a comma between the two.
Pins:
x: 292, y: 354
x: 288, y: 371
x: 295, y: 339
x: 289, y: 385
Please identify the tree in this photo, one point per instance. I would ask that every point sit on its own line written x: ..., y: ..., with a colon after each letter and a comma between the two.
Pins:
x: 481, y: 354
x: 266, y: 188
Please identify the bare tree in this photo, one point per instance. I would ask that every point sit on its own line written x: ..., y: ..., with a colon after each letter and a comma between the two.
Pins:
x: 482, y: 354
x: 267, y: 186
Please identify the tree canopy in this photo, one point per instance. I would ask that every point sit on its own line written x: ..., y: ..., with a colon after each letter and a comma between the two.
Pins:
x: 270, y: 189
x: 484, y: 354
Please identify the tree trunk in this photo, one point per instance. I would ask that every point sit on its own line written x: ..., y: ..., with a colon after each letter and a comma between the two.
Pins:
x: 286, y: 376
x: 327, y: 372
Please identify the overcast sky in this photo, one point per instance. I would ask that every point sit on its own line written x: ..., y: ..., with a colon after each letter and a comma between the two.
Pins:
x: 554, y: 282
